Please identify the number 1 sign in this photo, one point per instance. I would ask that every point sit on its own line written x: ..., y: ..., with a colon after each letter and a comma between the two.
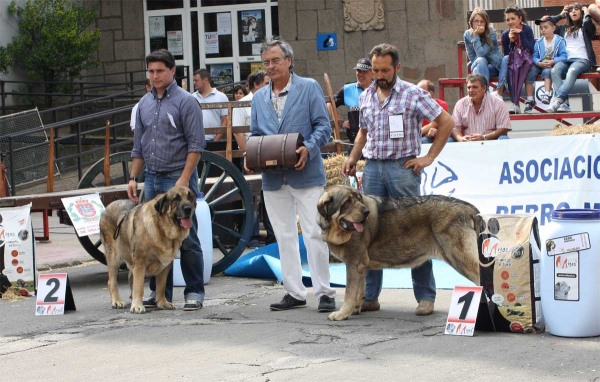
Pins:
x: 463, y: 311
x: 54, y: 294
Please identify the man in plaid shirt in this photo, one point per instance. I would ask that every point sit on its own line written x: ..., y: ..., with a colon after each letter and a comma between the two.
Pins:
x: 391, y: 115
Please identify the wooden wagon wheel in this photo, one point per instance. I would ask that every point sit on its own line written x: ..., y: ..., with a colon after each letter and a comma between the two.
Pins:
x: 228, y: 196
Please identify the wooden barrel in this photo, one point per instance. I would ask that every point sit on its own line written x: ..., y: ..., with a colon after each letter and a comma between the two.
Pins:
x: 273, y: 152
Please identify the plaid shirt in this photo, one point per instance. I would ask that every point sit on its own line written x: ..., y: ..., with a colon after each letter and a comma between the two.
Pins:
x: 492, y: 115
x: 415, y: 104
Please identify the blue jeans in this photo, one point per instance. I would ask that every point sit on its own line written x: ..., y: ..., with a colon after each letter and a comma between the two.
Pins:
x: 570, y: 69
x: 481, y: 66
x: 389, y: 179
x: 503, y: 75
x: 429, y: 140
x: 192, y: 261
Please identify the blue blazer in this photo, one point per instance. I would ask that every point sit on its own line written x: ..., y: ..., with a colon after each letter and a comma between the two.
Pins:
x: 305, y: 113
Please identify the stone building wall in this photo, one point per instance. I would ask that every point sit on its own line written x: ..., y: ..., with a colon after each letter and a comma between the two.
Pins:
x: 122, y: 46
x: 425, y: 32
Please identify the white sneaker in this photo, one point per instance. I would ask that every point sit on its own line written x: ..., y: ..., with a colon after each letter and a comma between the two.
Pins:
x: 598, y: 69
x: 515, y: 109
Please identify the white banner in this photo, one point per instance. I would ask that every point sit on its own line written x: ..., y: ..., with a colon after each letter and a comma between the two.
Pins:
x: 16, y: 243
x: 515, y: 176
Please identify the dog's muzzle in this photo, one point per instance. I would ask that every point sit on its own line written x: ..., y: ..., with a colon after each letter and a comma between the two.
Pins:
x: 355, y: 226
x: 185, y: 221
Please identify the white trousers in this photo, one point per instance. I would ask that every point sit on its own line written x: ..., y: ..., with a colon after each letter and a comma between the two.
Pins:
x: 282, y: 206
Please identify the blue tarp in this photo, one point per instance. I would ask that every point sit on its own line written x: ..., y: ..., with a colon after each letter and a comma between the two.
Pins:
x: 264, y: 263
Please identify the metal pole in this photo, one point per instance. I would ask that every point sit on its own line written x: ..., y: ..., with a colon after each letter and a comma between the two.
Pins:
x: 79, y: 169
x: 2, y: 96
x: 13, y: 188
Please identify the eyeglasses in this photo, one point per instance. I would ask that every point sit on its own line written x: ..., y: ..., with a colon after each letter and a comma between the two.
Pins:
x: 274, y: 62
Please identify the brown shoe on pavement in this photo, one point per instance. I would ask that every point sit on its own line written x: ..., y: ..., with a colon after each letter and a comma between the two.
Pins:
x: 369, y: 306
x: 425, y: 308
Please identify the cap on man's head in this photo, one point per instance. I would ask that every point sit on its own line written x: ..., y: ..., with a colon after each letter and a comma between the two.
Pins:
x: 363, y: 64
x: 545, y: 18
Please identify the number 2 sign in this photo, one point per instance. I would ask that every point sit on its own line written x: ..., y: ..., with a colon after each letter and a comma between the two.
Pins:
x: 54, y: 294
x: 463, y: 311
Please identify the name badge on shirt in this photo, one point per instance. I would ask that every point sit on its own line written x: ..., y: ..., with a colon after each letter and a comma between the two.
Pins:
x: 396, y: 123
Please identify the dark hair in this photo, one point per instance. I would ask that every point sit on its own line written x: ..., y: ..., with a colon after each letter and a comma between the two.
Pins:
x: 147, y: 82
x: 572, y: 28
x: 485, y: 36
x: 286, y: 48
x: 203, y: 73
x: 517, y: 11
x: 385, y: 50
x: 255, y: 79
x: 239, y: 87
x: 161, y: 55
x: 478, y: 77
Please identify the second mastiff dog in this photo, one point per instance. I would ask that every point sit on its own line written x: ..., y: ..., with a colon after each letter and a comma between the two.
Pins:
x: 146, y: 236
x: 368, y: 232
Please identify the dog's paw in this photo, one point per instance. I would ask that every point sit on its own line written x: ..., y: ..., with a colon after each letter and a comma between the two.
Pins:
x: 337, y: 316
x: 137, y: 309
x: 165, y: 305
x: 356, y: 311
x: 118, y: 304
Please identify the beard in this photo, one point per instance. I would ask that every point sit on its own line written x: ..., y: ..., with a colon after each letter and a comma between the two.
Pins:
x: 385, y: 84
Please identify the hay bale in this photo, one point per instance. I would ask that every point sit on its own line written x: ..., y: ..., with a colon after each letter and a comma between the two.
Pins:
x: 333, y: 169
x: 560, y: 129
x: 12, y: 294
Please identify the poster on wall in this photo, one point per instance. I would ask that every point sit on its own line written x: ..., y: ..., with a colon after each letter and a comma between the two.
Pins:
x: 17, y: 248
x: 84, y: 211
x: 224, y: 23
x: 157, y: 26
x: 251, y: 25
x: 255, y: 66
x: 175, y: 42
x: 211, y: 42
x: 221, y: 74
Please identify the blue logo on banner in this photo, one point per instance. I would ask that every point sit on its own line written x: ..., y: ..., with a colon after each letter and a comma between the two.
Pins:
x: 441, y: 181
x: 327, y: 41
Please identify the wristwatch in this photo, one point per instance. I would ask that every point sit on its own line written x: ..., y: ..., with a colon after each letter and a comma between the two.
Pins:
x: 134, y: 178
x: 484, y: 138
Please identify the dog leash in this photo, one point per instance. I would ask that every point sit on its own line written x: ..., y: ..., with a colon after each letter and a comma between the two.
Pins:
x: 118, y: 229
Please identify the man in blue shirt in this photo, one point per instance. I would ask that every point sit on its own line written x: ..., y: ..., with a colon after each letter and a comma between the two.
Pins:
x: 348, y: 96
x: 169, y: 139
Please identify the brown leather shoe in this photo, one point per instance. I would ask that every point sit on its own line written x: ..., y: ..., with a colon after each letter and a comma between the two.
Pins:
x: 369, y: 306
x: 425, y: 308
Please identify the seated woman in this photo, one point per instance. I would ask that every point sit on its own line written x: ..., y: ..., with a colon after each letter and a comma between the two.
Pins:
x: 482, y: 47
x: 578, y: 33
x: 517, y: 35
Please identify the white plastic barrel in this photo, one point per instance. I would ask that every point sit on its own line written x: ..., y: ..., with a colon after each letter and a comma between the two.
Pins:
x: 570, y: 279
x: 205, y: 236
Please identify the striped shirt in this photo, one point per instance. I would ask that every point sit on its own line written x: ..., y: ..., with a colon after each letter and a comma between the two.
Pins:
x: 492, y: 115
x: 167, y: 129
x: 415, y: 104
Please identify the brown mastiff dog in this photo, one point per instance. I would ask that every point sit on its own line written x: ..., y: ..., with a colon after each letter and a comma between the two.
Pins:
x: 367, y: 232
x: 147, y: 237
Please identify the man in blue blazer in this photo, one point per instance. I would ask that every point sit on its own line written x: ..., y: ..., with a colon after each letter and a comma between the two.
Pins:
x: 293, y: 104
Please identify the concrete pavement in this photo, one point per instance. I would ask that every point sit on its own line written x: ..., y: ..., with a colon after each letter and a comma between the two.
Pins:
x: 235, y: 337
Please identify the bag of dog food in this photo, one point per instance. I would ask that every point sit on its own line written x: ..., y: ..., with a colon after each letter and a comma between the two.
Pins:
x: 509, y: 259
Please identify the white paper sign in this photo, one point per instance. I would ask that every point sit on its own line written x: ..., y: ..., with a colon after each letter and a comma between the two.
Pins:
x: 211, y: 42
x: 84, y: 211
x: 571, y: 243
x: 52, y: 288
x: 224, y: 23
x: 256, y: 49
x: 17, y: 244
x: 175, y: 42
x: 463, y: 311
x: 566, y: 277
x: 396, y: 126
x: 156, y: 26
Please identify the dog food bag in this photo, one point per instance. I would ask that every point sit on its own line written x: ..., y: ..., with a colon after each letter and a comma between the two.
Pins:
x: 509, y: 258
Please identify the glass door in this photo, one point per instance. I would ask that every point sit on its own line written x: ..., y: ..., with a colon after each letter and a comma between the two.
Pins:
x: 230, y: 37
x: 167, y: 28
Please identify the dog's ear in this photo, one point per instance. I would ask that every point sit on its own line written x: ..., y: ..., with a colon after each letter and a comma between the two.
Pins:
x: 325, y: 206
x: 162, y: 204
